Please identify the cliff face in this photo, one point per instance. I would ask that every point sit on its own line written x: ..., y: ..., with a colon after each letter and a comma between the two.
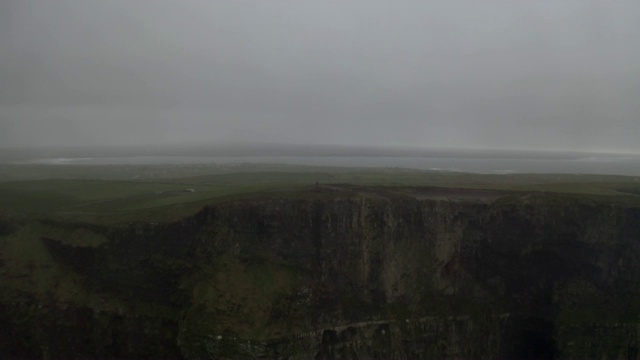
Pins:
x: 350, y: 275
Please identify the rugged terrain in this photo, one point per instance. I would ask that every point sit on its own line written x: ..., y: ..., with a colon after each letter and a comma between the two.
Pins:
x: 332, y: 272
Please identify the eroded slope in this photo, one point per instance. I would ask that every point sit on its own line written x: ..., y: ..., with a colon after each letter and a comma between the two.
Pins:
x: 332, y: 272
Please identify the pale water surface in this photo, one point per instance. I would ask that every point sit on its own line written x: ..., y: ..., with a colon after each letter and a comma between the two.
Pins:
x: 605, y: 164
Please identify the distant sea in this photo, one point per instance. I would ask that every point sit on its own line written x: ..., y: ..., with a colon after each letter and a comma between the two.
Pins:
x: 603, y: 165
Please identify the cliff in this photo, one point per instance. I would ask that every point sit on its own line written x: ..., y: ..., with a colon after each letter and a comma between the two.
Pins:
x: 332, y: 273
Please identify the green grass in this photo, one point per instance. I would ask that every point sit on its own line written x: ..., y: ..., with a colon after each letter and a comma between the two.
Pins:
x: 78, y: 195
x: 160, y: 199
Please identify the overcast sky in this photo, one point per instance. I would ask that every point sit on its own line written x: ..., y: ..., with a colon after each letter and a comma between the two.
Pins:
x: 487, y: 74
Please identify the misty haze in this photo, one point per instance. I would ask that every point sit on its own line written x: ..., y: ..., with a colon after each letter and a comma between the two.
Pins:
x: 244, y: 179
x: 499, y: 75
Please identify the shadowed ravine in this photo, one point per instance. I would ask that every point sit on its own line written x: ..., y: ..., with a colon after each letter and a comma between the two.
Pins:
x: 332, y: 273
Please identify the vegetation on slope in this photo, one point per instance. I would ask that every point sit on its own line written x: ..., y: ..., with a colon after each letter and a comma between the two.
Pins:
x: 101, y: 194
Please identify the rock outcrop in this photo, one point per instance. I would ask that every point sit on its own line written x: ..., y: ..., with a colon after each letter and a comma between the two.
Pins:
x: 332, y: 273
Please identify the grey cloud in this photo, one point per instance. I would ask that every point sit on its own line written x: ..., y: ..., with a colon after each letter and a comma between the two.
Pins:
x: 496, y: 74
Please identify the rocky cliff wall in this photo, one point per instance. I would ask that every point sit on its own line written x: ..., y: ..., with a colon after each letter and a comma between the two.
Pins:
x: 332, y: 276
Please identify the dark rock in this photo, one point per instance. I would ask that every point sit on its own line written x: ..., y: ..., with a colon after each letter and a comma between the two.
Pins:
x: 346, y: 277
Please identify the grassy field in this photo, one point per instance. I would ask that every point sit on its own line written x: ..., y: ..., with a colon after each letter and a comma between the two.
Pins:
x: 154, y: 193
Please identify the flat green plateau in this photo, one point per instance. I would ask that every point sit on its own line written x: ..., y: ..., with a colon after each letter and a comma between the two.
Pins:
x: 126, y: 193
